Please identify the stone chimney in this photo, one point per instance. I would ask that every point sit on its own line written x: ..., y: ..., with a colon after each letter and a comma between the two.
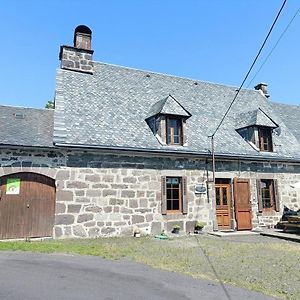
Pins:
x: 263, y: 88
x: 79, y: 57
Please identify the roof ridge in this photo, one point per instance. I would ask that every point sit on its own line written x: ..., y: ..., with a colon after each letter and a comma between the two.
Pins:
x: 22, y: 107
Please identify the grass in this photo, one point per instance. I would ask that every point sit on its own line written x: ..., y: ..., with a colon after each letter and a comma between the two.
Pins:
x: 256, y: 263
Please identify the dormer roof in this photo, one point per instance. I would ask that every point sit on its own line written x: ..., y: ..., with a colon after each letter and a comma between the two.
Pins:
x: 255, y: 117
x: 168, y: 106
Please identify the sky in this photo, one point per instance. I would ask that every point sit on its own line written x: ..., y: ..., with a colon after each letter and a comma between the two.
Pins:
x: 213, y: 41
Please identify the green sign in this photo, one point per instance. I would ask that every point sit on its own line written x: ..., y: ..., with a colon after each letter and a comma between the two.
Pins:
x: 13, y: 186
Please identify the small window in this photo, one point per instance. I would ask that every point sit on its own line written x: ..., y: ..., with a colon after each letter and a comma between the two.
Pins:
x: 260, y: 137
x: 265, y: 139
x: 267, y: 195
x: 173, y: 185
x: 174, y: 131
x: 174, y: 198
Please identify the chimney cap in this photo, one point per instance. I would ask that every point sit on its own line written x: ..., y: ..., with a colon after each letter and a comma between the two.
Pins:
x: 262, y: 87
x: 259, y: 85
x: 83, y: 29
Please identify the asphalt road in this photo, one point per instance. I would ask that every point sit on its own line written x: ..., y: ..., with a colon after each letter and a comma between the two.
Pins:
x: 29, y: 276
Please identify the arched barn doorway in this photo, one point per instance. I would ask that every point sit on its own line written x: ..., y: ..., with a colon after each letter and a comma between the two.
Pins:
x: 27, y: 205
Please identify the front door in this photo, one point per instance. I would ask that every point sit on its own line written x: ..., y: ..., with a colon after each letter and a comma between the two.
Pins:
x: 27, y: 204
x: 223, y: 205
x: 242, y: 205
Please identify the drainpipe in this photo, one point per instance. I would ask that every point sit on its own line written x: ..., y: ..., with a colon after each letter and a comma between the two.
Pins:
x: 215, y: 223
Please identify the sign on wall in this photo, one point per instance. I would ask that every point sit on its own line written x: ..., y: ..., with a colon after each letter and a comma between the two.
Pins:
x: 13, y: 186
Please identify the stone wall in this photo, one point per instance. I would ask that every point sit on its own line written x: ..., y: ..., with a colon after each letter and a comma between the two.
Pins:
x: 111, y: 195
x: 103, y: 195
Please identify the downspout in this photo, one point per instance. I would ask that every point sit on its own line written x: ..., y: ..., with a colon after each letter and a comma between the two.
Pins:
x: 215, y: 222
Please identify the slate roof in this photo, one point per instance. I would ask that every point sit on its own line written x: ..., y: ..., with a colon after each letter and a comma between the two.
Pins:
x: 255, y: 117
x: 290, y: 114
x: 108, y: 109
x: 26, y: 126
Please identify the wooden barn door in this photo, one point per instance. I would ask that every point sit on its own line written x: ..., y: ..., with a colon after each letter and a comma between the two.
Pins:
x: 27, y: 205
x: 243, y: 212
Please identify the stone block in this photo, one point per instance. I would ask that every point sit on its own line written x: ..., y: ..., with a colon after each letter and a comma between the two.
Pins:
x: 82, y: 200
x: 125, y: 210
x: 156, y: 227
x: 143, y: 202
x: 128, y: 194
x: 100, y: 186
x: 77, y: 185
x: 149, y: 217
x: 108, y: 178
x: 106, y: 193
x: 107, y: 230
x: 90, y: 224
x: 133, y: 203
x: 79, y: 192
x: 74, y: 208
x: 137, y: 219
x: 107, y: 209
x: 64, y: 196
x: 78, y: 230
x: 85, y: 217
x: 64, y: 219
x: 60, y: 208
x: 92, y: 178
x: 58, y: 232
x: 93, y: 232
x: 63, y: 175
x: 93, y: 193
x: 116, y: 202
x: 100, y: 224
x: 190, y: 226
x: 129, y: 180
x: 94, y: 209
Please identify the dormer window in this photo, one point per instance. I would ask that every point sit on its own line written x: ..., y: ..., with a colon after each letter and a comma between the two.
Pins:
x: 167, y: 120
x: 174, y: 131
x: 265, y: 139
x: 256, y: 127
x: 258, y: 136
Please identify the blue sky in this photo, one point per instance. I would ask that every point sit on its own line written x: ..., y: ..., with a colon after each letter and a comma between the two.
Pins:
x: 214, y: 41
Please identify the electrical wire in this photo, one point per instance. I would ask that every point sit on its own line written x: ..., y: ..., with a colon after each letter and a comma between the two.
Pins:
x: 261, y: 48
x: 270, y: 53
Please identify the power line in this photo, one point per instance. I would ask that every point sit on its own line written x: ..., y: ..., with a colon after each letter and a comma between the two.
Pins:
x: 270, y: 53
x: 238, y: 91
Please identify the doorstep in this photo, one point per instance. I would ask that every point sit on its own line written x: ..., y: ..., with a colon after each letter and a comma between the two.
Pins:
x: 232, y: 233
x: 280, y: 234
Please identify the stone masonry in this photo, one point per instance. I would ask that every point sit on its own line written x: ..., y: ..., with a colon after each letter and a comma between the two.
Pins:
x: 100, y: 194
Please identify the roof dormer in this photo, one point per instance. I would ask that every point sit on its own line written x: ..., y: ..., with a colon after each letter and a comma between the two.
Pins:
x: 167, y: 120
x: 256, y: 127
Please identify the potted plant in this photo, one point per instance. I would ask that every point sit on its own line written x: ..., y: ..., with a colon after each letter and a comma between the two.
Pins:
x: 198, y: 227
x: 176, y: 229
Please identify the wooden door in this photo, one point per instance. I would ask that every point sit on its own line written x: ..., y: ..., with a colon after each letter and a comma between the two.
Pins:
x: 27, y: 205
x: 243, y: 211
x: 223, y: 205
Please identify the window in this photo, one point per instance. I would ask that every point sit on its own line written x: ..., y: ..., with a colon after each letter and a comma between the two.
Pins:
x: 267, y: 195
x: 265, y: 139
x: 174, y: 198
x: 260, y: 137
x: 174, y: 131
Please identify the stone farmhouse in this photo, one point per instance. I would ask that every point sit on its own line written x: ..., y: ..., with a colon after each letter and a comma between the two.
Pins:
x: 127, y: 148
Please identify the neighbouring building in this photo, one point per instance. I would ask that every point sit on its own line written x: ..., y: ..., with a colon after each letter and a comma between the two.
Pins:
x: 127, y: 148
